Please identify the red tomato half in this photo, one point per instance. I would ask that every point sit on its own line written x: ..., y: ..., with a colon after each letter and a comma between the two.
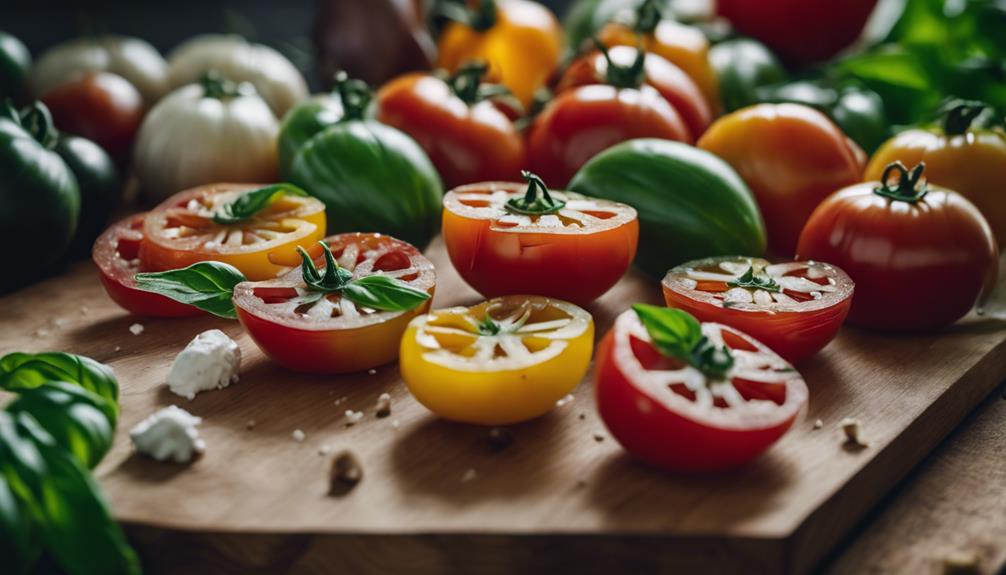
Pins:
x: 575, y: 255
x: 798, y: 308
x: 102, y: 107
x: 670, y: 415
x: 117, y: 254
x: 332, y: 334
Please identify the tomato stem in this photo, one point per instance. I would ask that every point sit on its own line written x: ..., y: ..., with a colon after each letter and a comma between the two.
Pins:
x: 909, y: 187
x: 532, y: 205
x: 631, y: 76
x: 220, y: 88
x: 754, y: 281
x: 480, y: 18
x: 648, y: 16
x: 355, y: 96
x: 37, y: 121
x: 959, y: 118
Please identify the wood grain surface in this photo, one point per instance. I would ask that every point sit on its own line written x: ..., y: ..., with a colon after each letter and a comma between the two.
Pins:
x: 435, y: 498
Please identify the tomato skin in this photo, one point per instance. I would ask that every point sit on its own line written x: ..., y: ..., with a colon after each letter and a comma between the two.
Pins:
x: 916, y: 266
x: 801, y: 31
x: 102, y: 107
x: 585, y: 121
x: 113, y: 251
x: 677, y: 87
x: 663, y: 438
x: 466, y: 142
x: 792, y: 157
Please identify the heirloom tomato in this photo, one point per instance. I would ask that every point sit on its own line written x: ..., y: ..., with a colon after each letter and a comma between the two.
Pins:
x: 921, y: 255
x: 102, y: 107
x: 743, y: 65
x: 502, y: 361
x: 506, y: 240
x: 685, y: 396
x: 795, y: 308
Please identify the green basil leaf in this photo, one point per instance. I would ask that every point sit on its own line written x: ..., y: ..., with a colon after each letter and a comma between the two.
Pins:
x: 19, y: 544
x: 252, y: 202
x: 66, y: 504
x: 674, y: 332
x: 81, y: 422
x: 205, y: 285
x: 384, y: 293
x: 22, y: 371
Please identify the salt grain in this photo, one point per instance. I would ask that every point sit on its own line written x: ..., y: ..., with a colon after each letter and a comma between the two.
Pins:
x: 353, y: 417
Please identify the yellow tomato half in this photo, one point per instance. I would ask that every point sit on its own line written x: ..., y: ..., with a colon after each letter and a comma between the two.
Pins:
x: 502, y: 361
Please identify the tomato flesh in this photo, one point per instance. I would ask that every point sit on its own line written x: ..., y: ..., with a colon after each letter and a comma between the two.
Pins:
x: 670, y: 416
x: 116, y: 254
x: 334, y: 335
x: 795, y: 322
x: 575, y: 255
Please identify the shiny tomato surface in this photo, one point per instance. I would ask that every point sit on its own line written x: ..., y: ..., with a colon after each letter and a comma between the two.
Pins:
x: 670, y: 415
x: 467, y: 142
x: 575, y: 255
x: 116, y: 253
x: 102, y: 107
x: 333, y: 334
x: 582, y: 122
x: 794, y: 308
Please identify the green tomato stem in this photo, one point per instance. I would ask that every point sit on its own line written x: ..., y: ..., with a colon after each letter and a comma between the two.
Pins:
x: 631, y: 76
x: 355, y: 96
x: 530, y: 203
x: 909, y: 186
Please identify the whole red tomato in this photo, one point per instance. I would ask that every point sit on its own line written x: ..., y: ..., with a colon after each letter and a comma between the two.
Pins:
x: 584, y: 121
x: 800, y: 31
x: 672, y: 82
x: 467, y: 136
x: 102, y: 107
x: 920, y: 255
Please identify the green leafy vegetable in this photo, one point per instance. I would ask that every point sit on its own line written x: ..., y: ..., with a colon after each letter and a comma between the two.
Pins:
x: 205, y: 285
x: 252, y: 202
x: 23, y: 371
x: 676, y: 333
x: 753, y: 281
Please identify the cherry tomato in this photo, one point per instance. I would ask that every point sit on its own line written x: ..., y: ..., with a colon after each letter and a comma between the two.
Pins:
x: 469, y: 139
x: 795, y: 308
x: 181, y: 232
x: 102, y: 107
x: 576, y: 253
x: 333, y: 334
x: 499, y: 362
x: 792, y: 157
x: 920, y: 255
x: 801, y: 31
x: 674, y: 85
x: 671, y: 415
x: 116, y: 253
x: 582, y: 122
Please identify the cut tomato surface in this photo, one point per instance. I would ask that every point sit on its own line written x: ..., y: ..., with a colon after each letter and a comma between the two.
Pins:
x: 502, y: 361
x: 116, y: 253
x: 673, y: 416
x: 181, y: 231
x: 795, y: 308
x: 575, y: 254
x: 326, y: 333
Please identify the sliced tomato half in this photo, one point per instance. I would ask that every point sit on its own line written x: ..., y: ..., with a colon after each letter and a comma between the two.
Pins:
x: 181, y: 232
x: 331, y: 334
x: 116, y: 253
x: 576, y: 254
x: 671, y: 415
x: 795, y: 308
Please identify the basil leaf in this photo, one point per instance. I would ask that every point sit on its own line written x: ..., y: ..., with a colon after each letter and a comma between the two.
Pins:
x: 22, y: 371
x: 384, y: 293
x: 205, y: 285
x: 65, y: 503
x: 19, y: 544
x: 252, y: 202
x: 674, y: 332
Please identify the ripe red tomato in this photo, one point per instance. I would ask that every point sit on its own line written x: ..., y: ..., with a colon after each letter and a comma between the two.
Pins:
x: 672, y: 82
x: 920, y: 255
x: 669, y: 414
x: 333, y: 334
x: 575, y: 254
x: 800, y: 31
x: 468, y: 139
x: 116, y: 253
x: 102, y: 107
x: 795, y: 308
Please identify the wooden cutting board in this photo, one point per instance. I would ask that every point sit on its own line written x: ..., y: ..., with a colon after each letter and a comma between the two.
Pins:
x: 435, y: 498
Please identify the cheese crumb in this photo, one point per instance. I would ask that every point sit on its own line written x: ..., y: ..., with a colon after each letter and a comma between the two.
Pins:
x: 298, y: 435
x: 371, y: 372
x: 210, y: 361
x: 384, y: 405
x: 324, y: 450
x: 353, y: 417
x: 168, y: 434
x: 136, y: 329
x: 566, y: 399
x: 853, y: 431
x: 396, y: 424
x: 818, y: 424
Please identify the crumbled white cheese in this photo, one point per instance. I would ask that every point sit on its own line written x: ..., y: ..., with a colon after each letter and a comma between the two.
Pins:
x: 818, y: 424
x: 298, y: 435
x: 353, y: 417
x: 853, y: 431
x: 384, y: 405
x: 210, y: 361
x: 168, y: 434
x: 564, y: 400
x: 136, y: 329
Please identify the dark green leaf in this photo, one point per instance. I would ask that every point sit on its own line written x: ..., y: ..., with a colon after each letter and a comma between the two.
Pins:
x: 252, y: 202
x: 384, y: 293
x: 21, y: 371
x: 753, y: 281
x: 205, y: 285
x: 19, y: 545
